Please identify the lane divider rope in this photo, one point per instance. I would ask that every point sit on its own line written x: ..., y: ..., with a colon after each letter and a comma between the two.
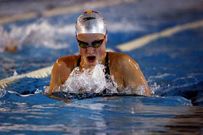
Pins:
x: 140, y: 42
x: 40, y: 73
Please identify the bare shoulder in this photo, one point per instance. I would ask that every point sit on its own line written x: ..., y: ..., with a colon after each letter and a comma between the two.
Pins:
x: 120, y: 58
x: 128, y: 73
x: 64, y: 65
x: 68, y: 60
x: 61, y: 70
x: 122, y: 63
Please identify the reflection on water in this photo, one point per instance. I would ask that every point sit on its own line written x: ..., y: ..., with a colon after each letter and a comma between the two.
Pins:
x: 122, y: 115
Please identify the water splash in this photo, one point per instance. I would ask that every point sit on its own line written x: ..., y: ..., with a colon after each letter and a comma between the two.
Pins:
x: 92, y: 81
x: 43, y: 33
x: 2, y: 92
x: 15, y: 73
x: 40, y: 33
x: 154, y: 87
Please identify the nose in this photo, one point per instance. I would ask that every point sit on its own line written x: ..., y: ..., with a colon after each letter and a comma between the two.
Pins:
x: 90, y: 50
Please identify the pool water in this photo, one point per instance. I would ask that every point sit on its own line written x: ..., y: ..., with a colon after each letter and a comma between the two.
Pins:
x: 115, y: 115
x: 172, y: 66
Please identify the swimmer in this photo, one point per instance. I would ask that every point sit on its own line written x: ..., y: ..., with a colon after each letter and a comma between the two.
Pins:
x: 11, y: 46
x: 91, y: 35
x: 7, y: 43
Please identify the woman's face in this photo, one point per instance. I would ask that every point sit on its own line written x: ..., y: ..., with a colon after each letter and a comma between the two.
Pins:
x: 92, y: 48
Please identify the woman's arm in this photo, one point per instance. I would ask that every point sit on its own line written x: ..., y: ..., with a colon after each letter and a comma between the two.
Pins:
x: 59, y: 74
x: 133, y: 76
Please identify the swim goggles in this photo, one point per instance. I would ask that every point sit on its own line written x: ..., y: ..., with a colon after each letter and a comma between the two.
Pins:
x: 94, y: 44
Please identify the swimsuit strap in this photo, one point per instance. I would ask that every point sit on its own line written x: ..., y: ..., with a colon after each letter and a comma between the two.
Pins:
x: 107, y: 69
x: 78, y: 62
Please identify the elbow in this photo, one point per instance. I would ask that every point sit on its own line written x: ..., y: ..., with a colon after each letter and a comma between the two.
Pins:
x: 148, y: 91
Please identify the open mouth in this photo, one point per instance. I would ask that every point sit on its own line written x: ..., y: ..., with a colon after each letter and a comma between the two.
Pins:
x: 91, y: 59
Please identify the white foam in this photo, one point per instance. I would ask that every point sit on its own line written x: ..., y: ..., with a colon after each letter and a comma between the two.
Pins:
x: 2, y: 92
x: 15, y: 73
x: 88, y: 81
x: 154, y: 87
x: 40, y: 33
x: 140, y: 90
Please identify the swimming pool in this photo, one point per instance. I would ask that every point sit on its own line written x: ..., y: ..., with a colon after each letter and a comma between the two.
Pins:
x: 171, y: 63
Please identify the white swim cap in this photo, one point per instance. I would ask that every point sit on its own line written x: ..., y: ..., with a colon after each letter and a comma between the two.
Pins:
x: 90, y: 22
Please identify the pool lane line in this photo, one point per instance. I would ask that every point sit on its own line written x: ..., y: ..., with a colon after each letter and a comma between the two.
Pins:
x: 40, y: 73
x: 145, y: 40
x: 137, y: 43
x: 62, y: 10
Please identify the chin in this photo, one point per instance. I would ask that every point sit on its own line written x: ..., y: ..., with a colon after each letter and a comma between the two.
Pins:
x: 92, y: 64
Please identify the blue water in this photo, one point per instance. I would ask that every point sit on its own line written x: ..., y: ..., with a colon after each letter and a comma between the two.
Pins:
x: 172, y: 66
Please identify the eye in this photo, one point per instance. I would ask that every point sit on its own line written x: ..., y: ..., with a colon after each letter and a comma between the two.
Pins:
x: 82, y: 44
x: 97, y: 43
